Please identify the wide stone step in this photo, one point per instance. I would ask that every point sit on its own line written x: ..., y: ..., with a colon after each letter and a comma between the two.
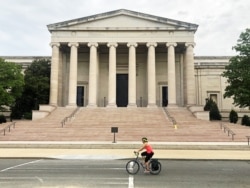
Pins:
x: 95, y: 125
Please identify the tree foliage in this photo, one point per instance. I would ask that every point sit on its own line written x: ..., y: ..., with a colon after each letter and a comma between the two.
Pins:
x: 238, y: 72
x: 36, y: 89
x: 11, y: 83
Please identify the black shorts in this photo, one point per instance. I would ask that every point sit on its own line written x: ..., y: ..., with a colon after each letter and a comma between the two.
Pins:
x: 147, y: 155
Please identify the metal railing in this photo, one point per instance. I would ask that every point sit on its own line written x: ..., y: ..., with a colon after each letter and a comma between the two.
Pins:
x: 8, y: 127
x: 248, y: 137
x: 171, y: 118
x: 229, y: 131
x: 68, y: 118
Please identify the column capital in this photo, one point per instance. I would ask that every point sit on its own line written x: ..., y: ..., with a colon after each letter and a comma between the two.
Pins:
x: 132, y: 44
x: 54, y: 44
x: 154, y: 44
x: 190, y: 44
x: 174, y: 44
x: 95, y: 44
x: 73, y: 44
x: 114, y: 44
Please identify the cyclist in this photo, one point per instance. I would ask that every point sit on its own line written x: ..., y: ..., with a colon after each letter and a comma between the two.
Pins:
x: 148, y: 154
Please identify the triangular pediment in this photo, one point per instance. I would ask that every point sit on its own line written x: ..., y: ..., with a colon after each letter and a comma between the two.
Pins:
x: 122, y: 20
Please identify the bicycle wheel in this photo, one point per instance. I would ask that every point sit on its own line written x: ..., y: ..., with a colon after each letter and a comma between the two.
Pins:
x: 132, y: 167
x: 155, y: 168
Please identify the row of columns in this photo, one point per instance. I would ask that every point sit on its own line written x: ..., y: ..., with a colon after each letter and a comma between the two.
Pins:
x: 112, y: 74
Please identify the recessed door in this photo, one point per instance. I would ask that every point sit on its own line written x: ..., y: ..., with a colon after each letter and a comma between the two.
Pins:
x: 80, y: 96
x: 122, y: 90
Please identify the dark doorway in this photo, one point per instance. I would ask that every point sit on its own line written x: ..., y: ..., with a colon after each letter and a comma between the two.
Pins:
x: 164, y: 96
x: 122, y: 90
x: 80, y: 96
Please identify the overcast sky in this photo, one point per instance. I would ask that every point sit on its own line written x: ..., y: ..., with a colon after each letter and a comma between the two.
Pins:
x: 23, y: 23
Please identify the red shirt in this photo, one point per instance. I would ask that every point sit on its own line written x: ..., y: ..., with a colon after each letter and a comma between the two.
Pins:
x: 148, y: 148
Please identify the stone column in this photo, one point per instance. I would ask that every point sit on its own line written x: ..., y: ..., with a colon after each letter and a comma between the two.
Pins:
x: 112, y: 74
x: 54, y: 74
x: 190, y: 80
x: 132, y: 75
x: 72, y: 74
x: 171, y: 74
x: 151, y: 74
x: 93, y: 75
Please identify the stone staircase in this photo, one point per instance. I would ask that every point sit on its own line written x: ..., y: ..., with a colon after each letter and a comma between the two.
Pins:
x: 94, y: 124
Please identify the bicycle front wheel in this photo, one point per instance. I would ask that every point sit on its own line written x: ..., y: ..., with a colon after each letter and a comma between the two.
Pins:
x: 132, y: 167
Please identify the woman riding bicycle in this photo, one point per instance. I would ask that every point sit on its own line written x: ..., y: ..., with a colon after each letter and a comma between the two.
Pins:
x: 148, y: 154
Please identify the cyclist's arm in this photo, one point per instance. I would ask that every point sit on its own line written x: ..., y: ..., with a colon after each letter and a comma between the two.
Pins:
x: 142, y: 148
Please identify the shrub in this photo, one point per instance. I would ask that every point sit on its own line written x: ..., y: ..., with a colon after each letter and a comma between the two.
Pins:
x: 208, y: 104
x: 211, y: 106
x: 245, y: 120
x: 233, y: 116
x: 2, y: 119
x: 214, y: 113
x: 27, y: 115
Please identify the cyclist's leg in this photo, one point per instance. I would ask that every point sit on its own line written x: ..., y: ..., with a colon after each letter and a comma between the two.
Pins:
x: 147, y: 159
x: 144, y: 155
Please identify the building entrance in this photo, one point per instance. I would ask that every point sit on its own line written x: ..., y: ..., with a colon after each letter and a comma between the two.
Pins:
x: 122, y: 90
x: 164, y: 96
x: 80, y: 96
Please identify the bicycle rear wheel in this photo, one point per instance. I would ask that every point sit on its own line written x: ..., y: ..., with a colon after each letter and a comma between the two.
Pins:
x: 132, y: 167
x: 155, y: 168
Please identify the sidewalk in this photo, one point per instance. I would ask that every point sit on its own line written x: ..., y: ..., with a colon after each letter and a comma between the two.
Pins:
x: 124, y: 150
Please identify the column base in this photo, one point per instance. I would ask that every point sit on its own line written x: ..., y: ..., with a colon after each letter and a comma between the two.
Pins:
x: 91, y: 106
x: 71, y: 106
x: 111, y: 106
x: 172, y: 106
x: 132, y: 106
x: 152, y: 106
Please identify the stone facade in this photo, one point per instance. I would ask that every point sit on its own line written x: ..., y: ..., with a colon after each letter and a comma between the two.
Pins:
x: 122, y: 59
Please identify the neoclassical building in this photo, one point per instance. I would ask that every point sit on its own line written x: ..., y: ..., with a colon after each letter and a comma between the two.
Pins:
x: 122, y: 58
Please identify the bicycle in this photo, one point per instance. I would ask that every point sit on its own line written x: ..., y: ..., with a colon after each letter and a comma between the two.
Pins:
x: 133, y: 166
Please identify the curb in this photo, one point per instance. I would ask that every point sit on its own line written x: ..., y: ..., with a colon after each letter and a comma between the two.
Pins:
x: 161, y: 146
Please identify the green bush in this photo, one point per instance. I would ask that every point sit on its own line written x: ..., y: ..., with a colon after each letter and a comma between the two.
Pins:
x: 233, y: 116
x: 208, y: 104
x: 214, y: 113
x: 27, y: 115
x: 2, y: 119
x: 245, y: 120
x: 211, y: 106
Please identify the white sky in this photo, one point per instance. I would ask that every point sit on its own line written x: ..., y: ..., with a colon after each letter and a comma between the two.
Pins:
x: 23, y: 23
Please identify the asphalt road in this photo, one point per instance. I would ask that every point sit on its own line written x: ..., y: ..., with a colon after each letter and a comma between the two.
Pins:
x: 98, y: 173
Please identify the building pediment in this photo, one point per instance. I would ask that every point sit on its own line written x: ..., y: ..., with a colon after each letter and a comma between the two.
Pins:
x: 122, y: 20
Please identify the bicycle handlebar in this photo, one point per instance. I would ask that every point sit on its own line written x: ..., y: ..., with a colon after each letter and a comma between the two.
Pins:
x: 136, y: 153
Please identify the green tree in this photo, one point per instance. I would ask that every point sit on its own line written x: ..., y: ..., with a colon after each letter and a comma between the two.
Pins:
x: 11, y: 83
x: 36, y: 89
x: 238, y: 72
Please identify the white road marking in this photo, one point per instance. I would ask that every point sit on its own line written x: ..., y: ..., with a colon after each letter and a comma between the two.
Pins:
x: 131, y: 181
x: 6, y: 169
x: 39, y: 179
